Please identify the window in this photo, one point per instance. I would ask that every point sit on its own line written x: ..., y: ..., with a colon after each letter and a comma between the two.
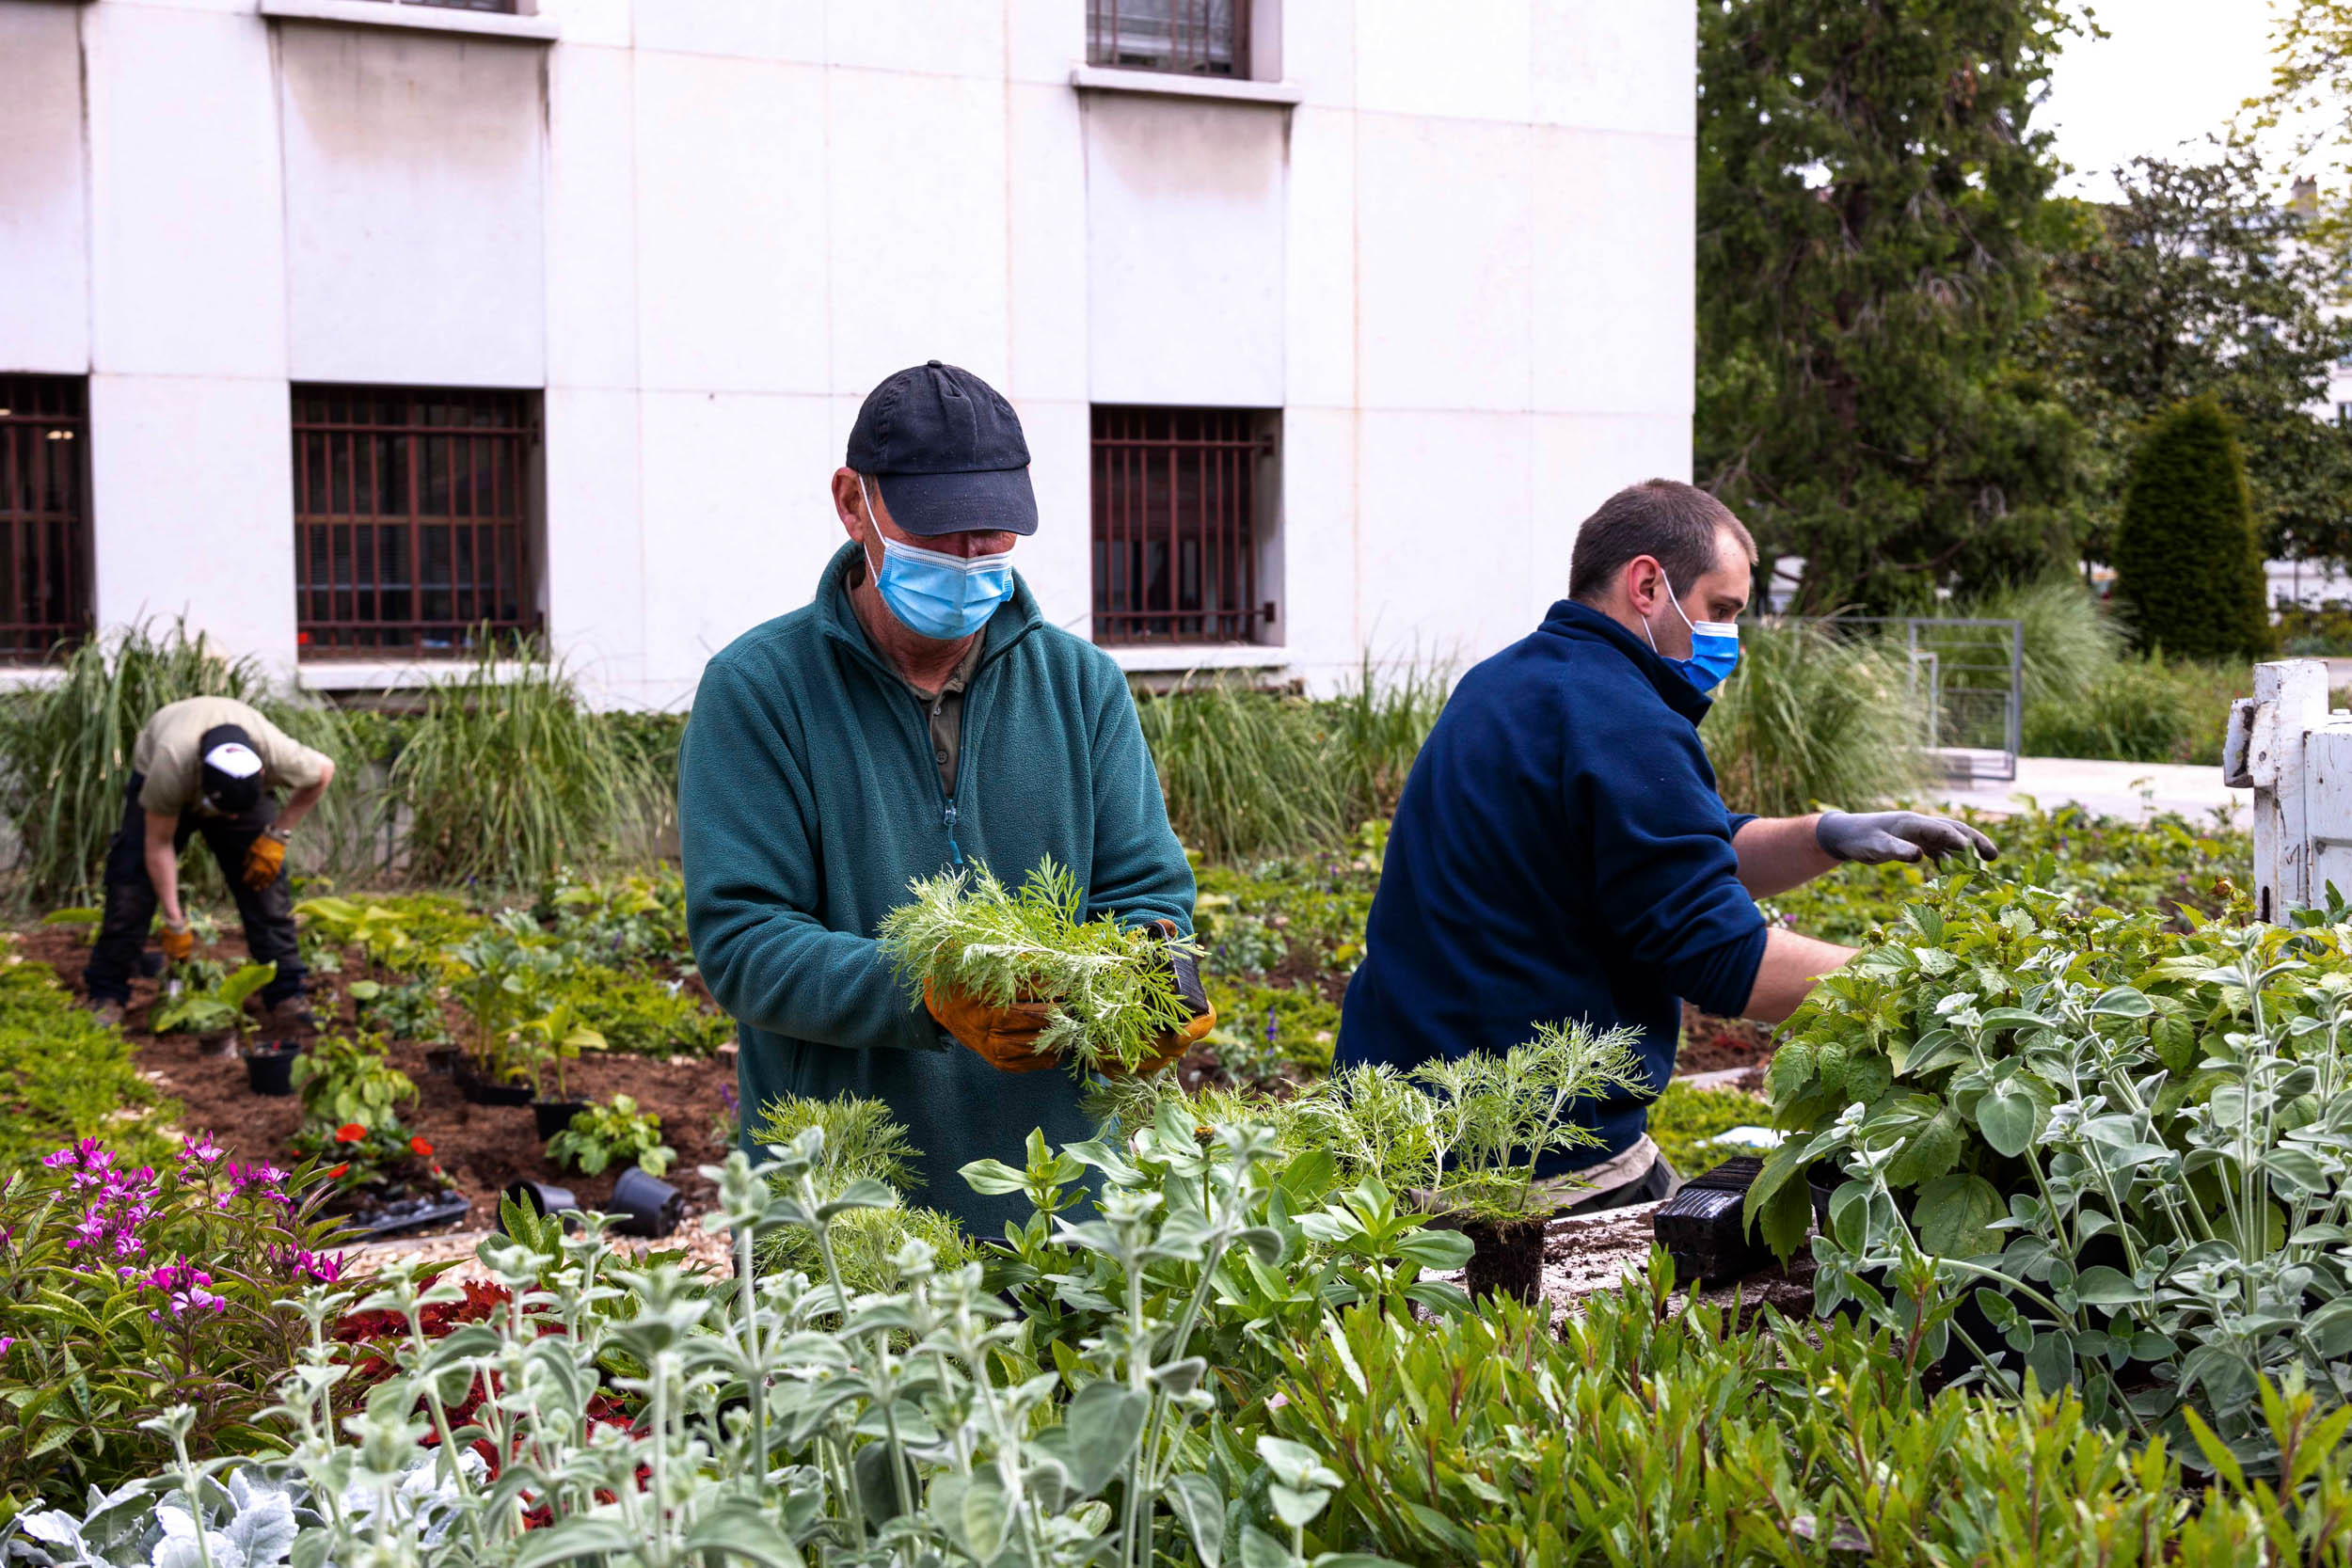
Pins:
x: 412, y: 512
x: 1197, y: 38
x: 1177, y: 524
x: 45, y: 516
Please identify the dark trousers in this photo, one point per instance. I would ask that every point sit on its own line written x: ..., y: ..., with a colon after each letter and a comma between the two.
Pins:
x: 266, y: 913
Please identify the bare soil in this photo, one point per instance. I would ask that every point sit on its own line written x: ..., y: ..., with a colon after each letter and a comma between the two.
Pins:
x: 482, y: 1147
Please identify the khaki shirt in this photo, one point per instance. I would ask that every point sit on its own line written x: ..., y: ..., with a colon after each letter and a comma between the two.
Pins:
x: 946, y: 713
x: 167, y: 752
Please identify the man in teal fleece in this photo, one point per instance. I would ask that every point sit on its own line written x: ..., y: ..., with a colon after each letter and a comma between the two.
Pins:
x: 919, y: 715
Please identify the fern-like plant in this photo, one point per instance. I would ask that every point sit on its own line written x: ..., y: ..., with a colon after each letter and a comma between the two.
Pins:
x: 1111, y: 991
x: 862, y: 1143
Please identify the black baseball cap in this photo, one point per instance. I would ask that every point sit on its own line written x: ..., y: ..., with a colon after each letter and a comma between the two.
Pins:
x: 948, y: 451
x: 231, y: 782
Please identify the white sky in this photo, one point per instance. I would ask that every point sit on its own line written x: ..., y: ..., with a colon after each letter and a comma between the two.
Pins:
x: 2168, y: 73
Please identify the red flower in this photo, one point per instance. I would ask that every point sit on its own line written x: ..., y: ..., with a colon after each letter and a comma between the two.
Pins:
x: 421, y: 1149
x: 337, y: 1174
x: 350, y: 1132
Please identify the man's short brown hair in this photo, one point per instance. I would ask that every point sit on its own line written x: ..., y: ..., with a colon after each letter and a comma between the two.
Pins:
x: 1676, y: 523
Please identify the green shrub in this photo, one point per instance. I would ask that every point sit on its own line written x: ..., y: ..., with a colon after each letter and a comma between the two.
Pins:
x: 1245, y: 772
x: 604, y: 1135
x: 2188, y: 570
x: 1685, y: 1123
x: 64, y: 1075
x: 2068, y: 639
x: 1813, y: 717
x: 507, y: 776
x: 2142, y: 708
x: 860, y: 1143
x: 347, y: 1079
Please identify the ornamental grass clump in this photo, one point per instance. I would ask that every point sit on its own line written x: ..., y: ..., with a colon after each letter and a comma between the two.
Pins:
x: 1110, y: 990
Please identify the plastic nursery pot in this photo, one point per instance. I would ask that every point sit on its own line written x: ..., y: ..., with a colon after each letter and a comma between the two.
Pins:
x: 1506, y: 1258
x: 555, y: 1114
x: 412, y: 1213
x: 442, y: 1060
x: 269, y: 1069
x: 647, y: 1205
x: 483, y: 1091
x: 540, y: 1198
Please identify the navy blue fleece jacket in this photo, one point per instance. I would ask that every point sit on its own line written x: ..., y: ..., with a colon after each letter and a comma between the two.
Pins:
x: 1560, y: 852
x: 808, y: 797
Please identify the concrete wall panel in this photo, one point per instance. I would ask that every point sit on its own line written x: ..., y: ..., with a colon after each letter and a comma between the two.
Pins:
x: 919, y: 36
x: 1445, y: 514
x: 1611, y: 325
x: 1465, y: 59
x: 591, y: 306
x: 415, y: 226
x: 1580, y: 461
x: 44, y: 207
x: 1185, y: 240
x: 193, y: 480
x: 732, y: 239
x: 187, y: 260
x: 595, y: 542
x: 1615, y: 65
x: 1045, y: 243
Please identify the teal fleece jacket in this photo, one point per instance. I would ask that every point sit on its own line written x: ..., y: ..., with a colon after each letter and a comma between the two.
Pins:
x: 808, y: 798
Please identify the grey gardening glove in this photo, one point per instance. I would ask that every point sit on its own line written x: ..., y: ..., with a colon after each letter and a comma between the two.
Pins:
x: 1876, y: 836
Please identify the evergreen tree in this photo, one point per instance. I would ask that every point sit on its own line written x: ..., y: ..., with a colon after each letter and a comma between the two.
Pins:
x: 2187, y: 568
x: 1874, y: 226
x: 2199, y: 281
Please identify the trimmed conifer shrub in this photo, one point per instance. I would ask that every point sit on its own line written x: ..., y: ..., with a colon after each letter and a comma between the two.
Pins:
x: 2186, y: 567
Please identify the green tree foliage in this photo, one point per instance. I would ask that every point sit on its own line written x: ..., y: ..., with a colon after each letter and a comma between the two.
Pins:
x: 2185, y: 565
x: 2201, y: 282
x: 1874, y: 224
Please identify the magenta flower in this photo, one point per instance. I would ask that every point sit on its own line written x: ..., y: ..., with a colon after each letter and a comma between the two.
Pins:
x: 187, y: 1288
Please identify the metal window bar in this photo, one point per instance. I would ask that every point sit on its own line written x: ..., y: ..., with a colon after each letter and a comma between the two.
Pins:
x: 1175, y: 526
x: 1193, y: 37
x: 1967, y: 681
x: 45, y: 516
x: 411, y: 519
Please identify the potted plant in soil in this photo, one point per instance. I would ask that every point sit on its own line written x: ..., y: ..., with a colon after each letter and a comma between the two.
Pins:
x: 384, y: 1178
x: 497, y: 982
x: 1466, y: 1139
x: 604, y: 1135
x: 553, y: 1039
x: 214, y: 1011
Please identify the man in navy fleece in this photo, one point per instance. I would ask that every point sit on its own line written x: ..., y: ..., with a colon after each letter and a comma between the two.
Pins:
x: 1561, y: 852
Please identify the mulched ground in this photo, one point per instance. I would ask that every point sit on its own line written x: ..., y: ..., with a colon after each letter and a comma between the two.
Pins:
x: 1711, y: 1044
x: 483, y: 1148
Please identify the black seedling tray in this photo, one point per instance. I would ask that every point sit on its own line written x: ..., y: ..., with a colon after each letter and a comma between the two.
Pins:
x: 1701, y: 1228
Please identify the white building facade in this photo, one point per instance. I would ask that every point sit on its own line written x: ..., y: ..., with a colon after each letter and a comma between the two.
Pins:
x: 338, y: 327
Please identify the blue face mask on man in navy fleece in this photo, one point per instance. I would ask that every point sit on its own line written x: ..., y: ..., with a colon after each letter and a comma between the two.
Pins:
x: 1714, y: 646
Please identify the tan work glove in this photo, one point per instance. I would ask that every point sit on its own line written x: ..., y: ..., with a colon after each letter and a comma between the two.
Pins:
x: 178, y: 941
x: 265, y: 861
x: 1171, y: 1047
x: 1005, y: 1037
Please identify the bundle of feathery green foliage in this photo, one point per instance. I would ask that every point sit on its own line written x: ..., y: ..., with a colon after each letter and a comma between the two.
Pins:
x: 1110, y: 992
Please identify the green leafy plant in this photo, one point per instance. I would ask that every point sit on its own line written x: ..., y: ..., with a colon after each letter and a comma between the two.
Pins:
x: 1685, y: 1122
x: 640, y: 1013
x: 347, y: 1078
x: 64, y: 1075
x: 499, y: 979
x: 410, y: 1010
x: 552, y: 1040
x: 1111, y: 993
x: 604, y: 1135
x: 861, y: 1143
x: 216, y: 1009
x: 2126, y: 1145
x: 2188, y: 565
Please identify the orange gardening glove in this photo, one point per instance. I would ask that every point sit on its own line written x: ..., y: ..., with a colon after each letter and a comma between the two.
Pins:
x: 265, y: 861
x: 178, y: 943
x: 1005, y: 1037
x: 1171, y: 1047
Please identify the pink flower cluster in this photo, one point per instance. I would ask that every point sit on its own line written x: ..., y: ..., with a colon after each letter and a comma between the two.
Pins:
x: 187, y: 1288
x: 117, y: 1202
x: 302, y: 1264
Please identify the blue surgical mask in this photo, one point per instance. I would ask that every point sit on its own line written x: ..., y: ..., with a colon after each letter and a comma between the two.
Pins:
x: 935, y: 595
x: 1714, y: 647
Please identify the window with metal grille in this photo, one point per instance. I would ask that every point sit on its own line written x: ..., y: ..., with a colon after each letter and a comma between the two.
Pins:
x: 1199, y: 38
x: 412, y: 518
x: 45, y: 517
x: 1176, y: 524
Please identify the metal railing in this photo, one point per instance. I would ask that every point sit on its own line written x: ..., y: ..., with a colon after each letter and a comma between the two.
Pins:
x: 1175, y: 504
x: 1966, y: 679
x: 1197, y: 38
x: 412, y: 511
x: 45, y: 516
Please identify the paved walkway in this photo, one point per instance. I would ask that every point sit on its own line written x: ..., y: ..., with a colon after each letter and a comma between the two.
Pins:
x: 2126, y: 789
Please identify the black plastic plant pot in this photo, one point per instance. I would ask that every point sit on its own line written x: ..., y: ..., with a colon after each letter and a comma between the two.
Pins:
x: 1506, y: 1258
x: 413, y: 1214
x: 540, y: 1198
x: 1702, y: 1227
x: 555, y: 1114
x: 647, y: 1205
x: 442, y: 1060
x: 269, y: 1069
x: 483, y: 1091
